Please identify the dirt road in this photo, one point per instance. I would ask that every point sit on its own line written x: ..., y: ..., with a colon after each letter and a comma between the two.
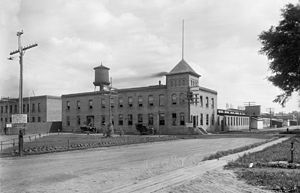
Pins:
x: 101, y: 169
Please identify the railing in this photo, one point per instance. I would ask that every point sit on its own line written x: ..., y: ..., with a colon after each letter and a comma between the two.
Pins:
x: 15, y: 141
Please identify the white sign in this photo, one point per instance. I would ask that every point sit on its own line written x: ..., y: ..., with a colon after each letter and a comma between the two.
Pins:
x: 8, y: 125
x: 19, y: 118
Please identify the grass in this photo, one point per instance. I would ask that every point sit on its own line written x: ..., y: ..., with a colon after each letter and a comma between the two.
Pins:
x: 66, y: 142
x: 278, y: 179
x: 236, y: 150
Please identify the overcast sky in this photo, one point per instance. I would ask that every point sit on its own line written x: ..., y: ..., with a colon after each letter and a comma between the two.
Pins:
x: 137, y: 38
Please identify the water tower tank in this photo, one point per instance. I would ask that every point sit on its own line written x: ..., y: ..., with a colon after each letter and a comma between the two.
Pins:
x: 101, y: 76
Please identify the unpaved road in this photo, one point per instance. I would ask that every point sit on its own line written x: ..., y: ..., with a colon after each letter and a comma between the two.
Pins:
x: 101, y: 169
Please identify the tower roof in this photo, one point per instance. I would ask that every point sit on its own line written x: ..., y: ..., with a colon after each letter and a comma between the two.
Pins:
x: 101, y: 66
x: 183, y: 67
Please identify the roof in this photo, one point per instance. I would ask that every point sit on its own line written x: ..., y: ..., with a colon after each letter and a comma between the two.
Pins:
x: 123, y: 90
x: 101, y: 66
x: 183, y: 67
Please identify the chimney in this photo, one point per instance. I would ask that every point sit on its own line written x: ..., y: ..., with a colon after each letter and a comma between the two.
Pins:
x: 159, y: 83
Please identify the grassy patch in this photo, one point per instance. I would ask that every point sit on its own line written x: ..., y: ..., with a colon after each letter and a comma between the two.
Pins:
x: 67, y: 142
x: 236, y: 150
x: 279, y: 179
x: 282, y: 180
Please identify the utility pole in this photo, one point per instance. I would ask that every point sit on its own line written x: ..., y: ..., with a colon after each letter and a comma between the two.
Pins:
x: 249, y: 104
x: 270, y: 111
x: 21, y: 50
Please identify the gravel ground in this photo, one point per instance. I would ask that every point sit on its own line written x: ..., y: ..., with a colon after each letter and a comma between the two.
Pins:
x: 100, y: 169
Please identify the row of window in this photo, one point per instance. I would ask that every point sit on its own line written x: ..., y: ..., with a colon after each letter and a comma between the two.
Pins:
x: 161, y: 101
x: 199, y: 99
x: 235, y: 121
x: 26, y: 108
x: 140, y: 119
x: 195, y: 119
x: 9, y: 120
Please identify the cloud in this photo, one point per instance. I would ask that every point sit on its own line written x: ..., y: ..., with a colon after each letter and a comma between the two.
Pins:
x: 137, y: 38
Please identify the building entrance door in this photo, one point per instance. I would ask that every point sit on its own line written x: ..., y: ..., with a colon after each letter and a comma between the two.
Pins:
x: 222, y: 125
x: 194, y: 121
x: 90, y: 120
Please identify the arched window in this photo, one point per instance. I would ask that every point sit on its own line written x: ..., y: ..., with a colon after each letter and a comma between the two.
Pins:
x: 174, y: 99
x: 161, y: 100
x: 150, y: 100
x: 182, y: 98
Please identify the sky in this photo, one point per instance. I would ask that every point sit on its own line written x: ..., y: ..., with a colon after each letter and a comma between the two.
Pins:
x: 138, y: 38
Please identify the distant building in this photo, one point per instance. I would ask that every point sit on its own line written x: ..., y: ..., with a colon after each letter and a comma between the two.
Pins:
x: 253, y: 110
x: 39, y: 109
x: 174, y: 108
x: 232, y: 120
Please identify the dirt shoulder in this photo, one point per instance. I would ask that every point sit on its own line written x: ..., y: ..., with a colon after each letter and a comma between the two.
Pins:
x: 182, y: 180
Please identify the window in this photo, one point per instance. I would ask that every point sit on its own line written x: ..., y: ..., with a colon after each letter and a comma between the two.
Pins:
x: 24, y: 107
x: 10, y: 119
x: 33, y: 119
x: 90, y: 104
x: 207, y: 102
x: 183, y: 82
x: 102, y: 119
x: 1, y: 119
x: 140, y: 101
x: 39, y: 119
x: 140, y: 118
x: 201, y: 101
x: 150, y: 119
x: 6, y: 108
x: 68, y: 121
x: 212, y: 103
x: 161, y: 118
x: 201, y: 119
x: 28, y: 108
x: 174, y: 99
x: 16, y: 108
x: 150, y: 100
x: 174, y: 119
x: 112, y: 102
x: 120, y: 102
x: 39, y: 107
x: 207, y: 118
x: 182, y: 98
x: 78, y: 120
x: 212, y: 119
x: 68, y: 105
x: 129, y: 119
x: 33, y: 108
x: 78, y: 105
x: 182, y: 122
x: 1, y: 109
x: 130, y: 101
x: 161, y: 100
x: 10, y: 108
x: 103, y: 103
x: 120, y: 119
x: 5, y: 119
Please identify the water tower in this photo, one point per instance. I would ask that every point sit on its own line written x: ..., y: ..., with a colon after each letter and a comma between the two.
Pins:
x: 101, y: 76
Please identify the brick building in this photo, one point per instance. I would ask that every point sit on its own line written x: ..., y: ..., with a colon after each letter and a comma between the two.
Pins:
x: 39, y: 109
x: 172, y: 108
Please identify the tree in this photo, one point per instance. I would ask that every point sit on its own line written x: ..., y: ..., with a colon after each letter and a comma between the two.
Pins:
x: 281, y: 44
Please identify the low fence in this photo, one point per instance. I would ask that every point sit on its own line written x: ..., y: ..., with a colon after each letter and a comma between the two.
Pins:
x: 14, y: 142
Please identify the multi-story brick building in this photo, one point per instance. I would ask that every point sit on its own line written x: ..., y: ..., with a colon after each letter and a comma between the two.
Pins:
x: 39, y: 109
x: 171, y: 108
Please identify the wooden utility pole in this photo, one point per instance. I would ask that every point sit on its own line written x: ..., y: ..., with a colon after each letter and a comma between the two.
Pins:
x: 270, y: 111
x: 21, y: 50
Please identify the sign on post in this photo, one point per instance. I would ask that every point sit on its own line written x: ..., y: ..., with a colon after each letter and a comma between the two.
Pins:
x: 19, y: 118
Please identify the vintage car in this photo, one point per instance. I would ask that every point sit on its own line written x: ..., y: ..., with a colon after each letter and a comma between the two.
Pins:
x: 144, y: 130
